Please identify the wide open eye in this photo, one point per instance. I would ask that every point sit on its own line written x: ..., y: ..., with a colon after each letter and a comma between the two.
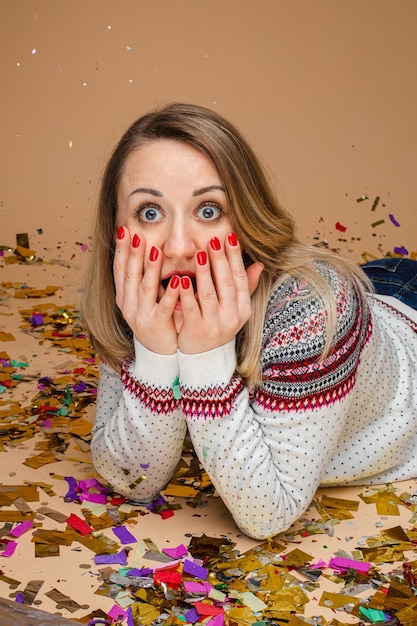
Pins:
x: 149, y: 213
x: 209, y: 211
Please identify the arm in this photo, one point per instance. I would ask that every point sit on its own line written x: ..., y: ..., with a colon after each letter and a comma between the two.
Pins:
x: 267, y: 454
x: 139, y: 428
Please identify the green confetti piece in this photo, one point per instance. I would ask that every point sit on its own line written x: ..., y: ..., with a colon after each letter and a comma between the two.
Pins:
x: 176, y: 389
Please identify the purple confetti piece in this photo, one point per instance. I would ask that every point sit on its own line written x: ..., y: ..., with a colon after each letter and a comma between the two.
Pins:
x: 159, y: 501
x: 19, y: 598
x: 143, y: 572
x: 37, y: 319
x: 194, y: 570
x: 401, y: 250
x: 79, y: 387
x: 111, y: 559
x: 71, y: 494
x: 393, y: 220
x: 129, y: 614
x: 124, y: 535
x: 192, y: 616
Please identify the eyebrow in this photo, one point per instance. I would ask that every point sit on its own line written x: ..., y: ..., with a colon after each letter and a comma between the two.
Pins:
x: 159, y: 194
x: 153, y: 192
x: 199, y: 192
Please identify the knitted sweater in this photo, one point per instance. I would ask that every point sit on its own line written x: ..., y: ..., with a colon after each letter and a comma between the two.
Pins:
x: 348, y: 419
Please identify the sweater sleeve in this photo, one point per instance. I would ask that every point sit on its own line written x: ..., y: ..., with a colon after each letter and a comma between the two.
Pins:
x: 139, y: 426
x: 266, y: 452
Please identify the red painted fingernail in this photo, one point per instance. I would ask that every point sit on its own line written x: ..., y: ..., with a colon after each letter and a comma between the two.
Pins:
x: 185, y: 282
x: 215, y: 243
x: 174, y: 282
x: 232, y: 239
x: 136, y: 241
x: 120, y: 233
x: 154, y: 253
x: 202, y: 257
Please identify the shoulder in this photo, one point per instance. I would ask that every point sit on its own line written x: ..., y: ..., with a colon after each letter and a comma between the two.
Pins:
x: 299, y: 309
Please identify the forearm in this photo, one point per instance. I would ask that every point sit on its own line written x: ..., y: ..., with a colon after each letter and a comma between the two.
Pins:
x: 139, y: 429
x: 266, y: 466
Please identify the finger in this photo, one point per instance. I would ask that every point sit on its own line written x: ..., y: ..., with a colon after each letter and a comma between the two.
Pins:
x: 121, y: 254
x: 169, y: 300
x: 150, y: 282
x: 206, y: 290
x: 133, y: 272
x: 189, y: 304
x: 224, y: 280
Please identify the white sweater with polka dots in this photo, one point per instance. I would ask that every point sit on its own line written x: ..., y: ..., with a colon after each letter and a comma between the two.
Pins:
x: 350, y: 419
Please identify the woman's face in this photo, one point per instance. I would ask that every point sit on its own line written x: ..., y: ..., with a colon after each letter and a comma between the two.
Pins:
x: 171, y: 195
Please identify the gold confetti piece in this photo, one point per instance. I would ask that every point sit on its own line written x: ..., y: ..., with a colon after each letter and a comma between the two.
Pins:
x: 383, y: 555
x: 9, y: 493
x: 9, y: 581
x: 63, y: 601
x: 22, y: 240
x: 43, y: 551
x: 339, y: 503
x: 337, y: 600
x: 6, y: 336
x: 40, y: 459
x: 296, y: 558
x: 180, y: 490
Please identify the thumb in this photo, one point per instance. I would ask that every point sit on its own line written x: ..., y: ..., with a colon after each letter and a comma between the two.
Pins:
x: 253, y: 273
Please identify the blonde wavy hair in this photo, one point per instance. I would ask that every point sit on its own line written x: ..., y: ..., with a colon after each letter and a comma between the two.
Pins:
x: 265, y: 230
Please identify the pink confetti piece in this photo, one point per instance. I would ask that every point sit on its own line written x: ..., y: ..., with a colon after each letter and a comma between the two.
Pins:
x: 116, y: 612
x: 176, y: 553
x: 218, y: 620
x: 393, y: 220
x: 9, y: 549
x: 193, y: 587
x: 21, y: 528
x: 339, y: 563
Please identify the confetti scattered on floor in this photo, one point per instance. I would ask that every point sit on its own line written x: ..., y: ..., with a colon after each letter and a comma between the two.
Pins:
x: 180, y: 560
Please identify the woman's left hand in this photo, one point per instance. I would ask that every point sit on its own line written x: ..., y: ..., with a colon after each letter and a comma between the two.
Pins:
x: 223, y: 302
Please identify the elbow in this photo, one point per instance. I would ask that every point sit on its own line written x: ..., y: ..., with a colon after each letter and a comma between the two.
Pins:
x: 265, y: 522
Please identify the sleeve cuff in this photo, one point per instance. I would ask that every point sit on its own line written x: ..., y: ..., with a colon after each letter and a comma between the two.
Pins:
x: 214, y: 367
x: 150, y: 368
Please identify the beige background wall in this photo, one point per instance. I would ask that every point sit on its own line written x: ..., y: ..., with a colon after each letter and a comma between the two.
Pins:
x: 325, y: 90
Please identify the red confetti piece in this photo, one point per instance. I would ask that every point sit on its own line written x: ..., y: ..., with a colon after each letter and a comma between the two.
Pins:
x: 166, y: 514
x: 168, y: 577
x: 78, y: 524
x: 207, y: 609
x: 340, y: 227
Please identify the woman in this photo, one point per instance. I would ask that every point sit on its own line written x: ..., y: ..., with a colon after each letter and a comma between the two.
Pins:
x: 208, y: 314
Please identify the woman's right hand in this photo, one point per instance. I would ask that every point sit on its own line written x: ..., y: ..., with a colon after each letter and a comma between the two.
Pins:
x: 137, y: 274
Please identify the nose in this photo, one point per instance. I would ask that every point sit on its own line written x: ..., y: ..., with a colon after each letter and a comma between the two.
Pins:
x: 179, y: 243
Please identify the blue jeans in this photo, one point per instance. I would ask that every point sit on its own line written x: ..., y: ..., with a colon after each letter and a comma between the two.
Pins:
x: 394, y: 276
